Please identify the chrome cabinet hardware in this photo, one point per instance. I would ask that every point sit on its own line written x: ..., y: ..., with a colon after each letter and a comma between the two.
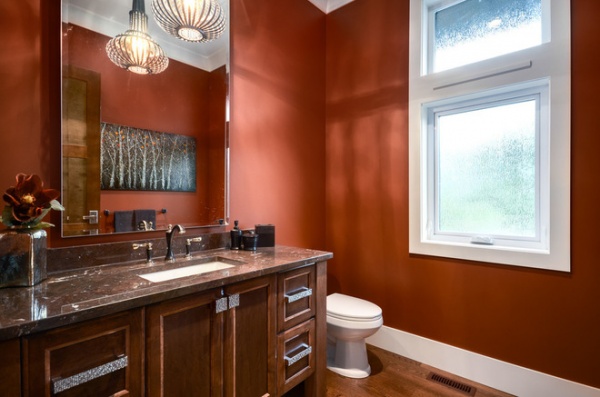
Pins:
x: 227, y: 302
x: 291, y: 360
x: 304, y: 292
x: 234, y: 301
x: 221, y: 305
x: 61, y: 384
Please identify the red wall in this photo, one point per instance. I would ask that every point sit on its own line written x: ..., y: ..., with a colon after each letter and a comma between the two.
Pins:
x: 278, y: 119
x: 25, y: 138
x: 547, y: 321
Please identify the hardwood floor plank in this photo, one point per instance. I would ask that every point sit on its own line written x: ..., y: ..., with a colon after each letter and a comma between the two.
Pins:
x: 396, y: 376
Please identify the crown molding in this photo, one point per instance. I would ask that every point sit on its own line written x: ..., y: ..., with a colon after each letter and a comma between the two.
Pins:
x: 328, y: 6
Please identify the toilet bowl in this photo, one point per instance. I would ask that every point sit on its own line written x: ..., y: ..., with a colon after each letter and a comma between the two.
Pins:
x: 349, y: 321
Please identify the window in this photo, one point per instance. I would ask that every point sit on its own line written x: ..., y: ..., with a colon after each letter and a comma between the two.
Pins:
x: 489, y: 119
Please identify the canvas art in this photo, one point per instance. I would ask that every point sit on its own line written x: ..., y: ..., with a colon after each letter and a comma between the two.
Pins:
x: 139, y: 159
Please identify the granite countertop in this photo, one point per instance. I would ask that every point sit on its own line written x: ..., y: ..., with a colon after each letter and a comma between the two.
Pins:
x: 78, y: 295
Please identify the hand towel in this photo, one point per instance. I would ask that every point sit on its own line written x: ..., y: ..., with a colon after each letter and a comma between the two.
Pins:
x: 124, y: 221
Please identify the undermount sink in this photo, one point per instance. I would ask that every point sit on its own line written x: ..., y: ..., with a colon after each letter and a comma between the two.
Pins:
x: 205, y: 266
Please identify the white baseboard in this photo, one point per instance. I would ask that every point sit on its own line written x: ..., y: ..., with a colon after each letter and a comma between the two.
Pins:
x: 500, y: 375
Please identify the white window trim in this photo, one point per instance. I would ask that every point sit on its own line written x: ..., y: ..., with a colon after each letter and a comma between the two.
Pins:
x: 550, y: 60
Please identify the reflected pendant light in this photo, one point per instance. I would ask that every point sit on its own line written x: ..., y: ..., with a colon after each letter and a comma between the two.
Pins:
x: 190, y: 20
x: 135, y: 50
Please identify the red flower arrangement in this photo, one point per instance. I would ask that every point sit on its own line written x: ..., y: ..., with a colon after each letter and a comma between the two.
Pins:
x: 28, y: 202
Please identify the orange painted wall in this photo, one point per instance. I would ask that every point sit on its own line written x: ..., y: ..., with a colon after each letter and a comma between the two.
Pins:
x: 278, y: 119
x: 25, y: 80
x: 546, y: 321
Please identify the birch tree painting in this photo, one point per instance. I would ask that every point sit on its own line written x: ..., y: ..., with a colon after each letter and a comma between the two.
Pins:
x: 138, y: 159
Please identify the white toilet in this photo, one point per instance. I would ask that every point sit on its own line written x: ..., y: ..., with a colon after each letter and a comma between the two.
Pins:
x: 349, y: 321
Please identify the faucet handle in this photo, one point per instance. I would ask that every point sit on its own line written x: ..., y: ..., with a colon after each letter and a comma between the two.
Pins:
x: 188, y: 245
x: 148, y: 246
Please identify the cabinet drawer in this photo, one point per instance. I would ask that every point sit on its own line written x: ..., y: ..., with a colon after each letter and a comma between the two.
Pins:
x: 295, y: 302
x: 97, y: 358
x: 296, y: 355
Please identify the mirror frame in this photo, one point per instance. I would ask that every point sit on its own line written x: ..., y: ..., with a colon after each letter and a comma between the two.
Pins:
x: 226, y: 166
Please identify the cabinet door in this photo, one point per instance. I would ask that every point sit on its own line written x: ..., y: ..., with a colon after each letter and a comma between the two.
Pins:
x: 101, y: 357
x: 10, y: 368
x: 250, y: 345
x: 184, y: 346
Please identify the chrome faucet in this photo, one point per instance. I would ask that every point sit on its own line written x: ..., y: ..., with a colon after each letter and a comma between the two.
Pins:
x: 170, y: 231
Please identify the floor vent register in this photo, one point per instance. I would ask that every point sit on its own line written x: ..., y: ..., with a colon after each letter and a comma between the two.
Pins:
x: 458, y: 386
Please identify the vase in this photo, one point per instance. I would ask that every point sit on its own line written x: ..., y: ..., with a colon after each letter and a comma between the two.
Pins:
x: 22, y: 257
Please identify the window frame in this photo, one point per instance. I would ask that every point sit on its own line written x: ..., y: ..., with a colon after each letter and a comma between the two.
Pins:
x: 548, y: 62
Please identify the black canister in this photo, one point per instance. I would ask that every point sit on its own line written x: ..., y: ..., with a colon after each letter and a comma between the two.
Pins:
x: 250, y: 241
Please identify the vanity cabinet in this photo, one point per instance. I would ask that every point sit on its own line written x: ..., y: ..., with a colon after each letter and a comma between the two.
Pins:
x: 10, y: 368
x: 264, y: 336
x: 214, y: 343
x: 296, y: 336
x: 102, y: 357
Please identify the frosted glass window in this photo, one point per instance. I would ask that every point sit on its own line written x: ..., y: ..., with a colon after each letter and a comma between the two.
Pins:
x: 486, y: 170
x: 474, y: 30
x: 489, y: 131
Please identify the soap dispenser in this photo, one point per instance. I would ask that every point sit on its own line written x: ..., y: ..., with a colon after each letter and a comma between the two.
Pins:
x: 236, y: 236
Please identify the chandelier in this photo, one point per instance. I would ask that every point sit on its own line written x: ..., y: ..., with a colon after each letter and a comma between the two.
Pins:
x: 190, y: 20
x: 135, y: 50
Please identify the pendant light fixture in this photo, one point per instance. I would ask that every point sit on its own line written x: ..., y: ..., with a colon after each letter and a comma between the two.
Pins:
x: 190, y: 20
x: 135, y: 50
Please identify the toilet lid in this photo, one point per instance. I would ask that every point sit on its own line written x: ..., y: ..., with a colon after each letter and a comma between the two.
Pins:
x: 344, y: 306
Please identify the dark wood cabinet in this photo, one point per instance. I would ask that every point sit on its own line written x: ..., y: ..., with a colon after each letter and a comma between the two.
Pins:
x: 302, y: 332
x: 215, y: 343
x: 249, y: 349
x: 183, y: 346
x: 102, y: 357
x: 10, y: 368
x: 265, y: 336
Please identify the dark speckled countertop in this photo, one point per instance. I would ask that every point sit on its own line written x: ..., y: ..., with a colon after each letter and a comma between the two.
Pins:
x: 77, y: 295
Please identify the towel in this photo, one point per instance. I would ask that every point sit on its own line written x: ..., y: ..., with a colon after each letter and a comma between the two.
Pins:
x: 140, y: 216
x: 124, y: 221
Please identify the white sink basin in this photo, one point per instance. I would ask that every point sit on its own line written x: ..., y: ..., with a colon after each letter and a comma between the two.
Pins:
x: 193, y: 270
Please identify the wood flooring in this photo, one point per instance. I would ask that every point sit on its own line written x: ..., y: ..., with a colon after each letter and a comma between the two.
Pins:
x: 396, y: 376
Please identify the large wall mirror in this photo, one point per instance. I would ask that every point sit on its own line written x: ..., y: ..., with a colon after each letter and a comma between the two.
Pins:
x: 142, y: 150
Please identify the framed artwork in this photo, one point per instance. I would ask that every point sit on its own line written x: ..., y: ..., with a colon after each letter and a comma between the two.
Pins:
x: 138, y: 159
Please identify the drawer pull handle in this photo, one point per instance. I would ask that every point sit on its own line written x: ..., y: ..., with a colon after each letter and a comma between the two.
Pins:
x: 300, y: 295
x: 291, y: 360
x: 61, y: 384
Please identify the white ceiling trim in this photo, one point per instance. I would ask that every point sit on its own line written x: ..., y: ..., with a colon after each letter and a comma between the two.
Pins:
x: 329, y: 5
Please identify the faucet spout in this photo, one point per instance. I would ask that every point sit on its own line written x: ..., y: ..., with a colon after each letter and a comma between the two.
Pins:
x: 170, y: 231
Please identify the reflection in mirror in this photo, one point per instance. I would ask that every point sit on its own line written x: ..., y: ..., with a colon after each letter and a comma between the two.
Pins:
x: 141, y: 151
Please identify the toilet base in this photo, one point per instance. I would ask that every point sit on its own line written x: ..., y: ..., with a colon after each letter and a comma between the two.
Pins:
x: 348, y: 358
x: 352, y: 372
